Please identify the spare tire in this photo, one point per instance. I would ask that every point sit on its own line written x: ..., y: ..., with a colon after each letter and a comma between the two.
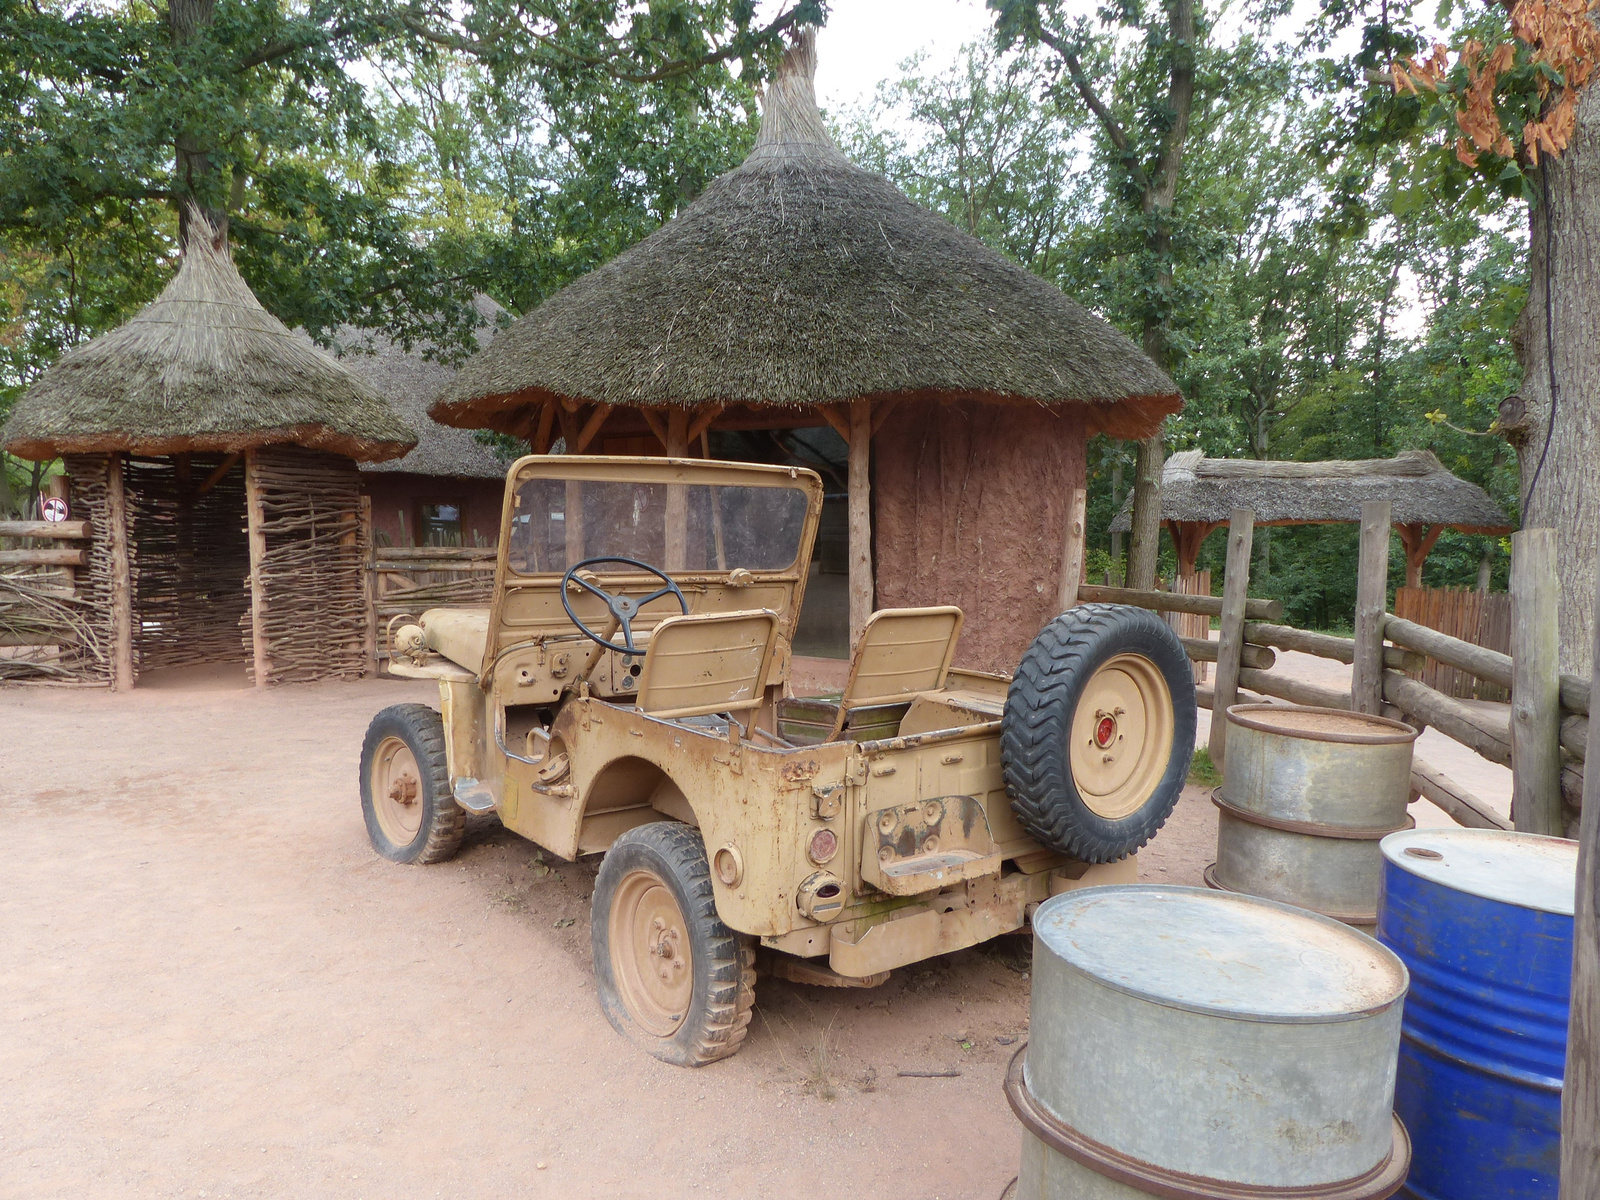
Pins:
x: 1098, y: 731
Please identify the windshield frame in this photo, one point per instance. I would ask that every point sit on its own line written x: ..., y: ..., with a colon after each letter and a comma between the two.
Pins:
x: 594, y: 468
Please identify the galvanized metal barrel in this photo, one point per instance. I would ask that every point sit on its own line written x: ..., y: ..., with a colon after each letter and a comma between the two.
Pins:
x: 1483, y: 918
x: 1187, y: 1042
x: 1307, y: 796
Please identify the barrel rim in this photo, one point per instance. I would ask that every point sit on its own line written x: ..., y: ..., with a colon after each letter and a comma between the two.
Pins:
x: 1403, y: 733
x: 1321, y: 829
x: 1361, y: 921
x: 1377, y: 1183
x: 1081, y: 895
x: 1392, y: 846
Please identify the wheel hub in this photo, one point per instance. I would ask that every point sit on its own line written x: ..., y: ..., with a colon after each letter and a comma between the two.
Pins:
x: 650, y: 953
x: 405, y: 789
x: 1121, y: 735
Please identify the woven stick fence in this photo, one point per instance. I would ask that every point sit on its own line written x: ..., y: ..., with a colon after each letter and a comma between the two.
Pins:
x: 191, y: 560
x: 49, y: 636
x: 313, y: 568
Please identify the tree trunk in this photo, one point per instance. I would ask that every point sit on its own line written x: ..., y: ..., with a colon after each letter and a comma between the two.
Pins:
x: 1145, y: 540
x: 1560, y: 462
x: 187, y: 20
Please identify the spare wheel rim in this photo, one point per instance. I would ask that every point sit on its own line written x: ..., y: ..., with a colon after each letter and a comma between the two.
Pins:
x: 1121, y: 741
x: 397, y: 791
x: 651, y: 958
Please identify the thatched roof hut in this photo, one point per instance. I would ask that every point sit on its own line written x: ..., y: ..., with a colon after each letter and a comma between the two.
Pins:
x: 192, y: 560
x: 1198, y: 494
x: 799, y: 289
x: 203, y: 368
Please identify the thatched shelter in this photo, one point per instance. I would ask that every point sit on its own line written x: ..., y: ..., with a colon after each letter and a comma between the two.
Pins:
x: 799, y: 290
x: 447, y: 490
x: 1199, y: 493
x: 213, y: 453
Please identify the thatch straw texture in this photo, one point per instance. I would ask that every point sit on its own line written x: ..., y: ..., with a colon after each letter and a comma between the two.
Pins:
x: 1416, y: 484
x: 203, y: 368
x: 798, y: 279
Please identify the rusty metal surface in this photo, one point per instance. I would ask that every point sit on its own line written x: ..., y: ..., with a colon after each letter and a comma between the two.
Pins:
x: 1339, y: 725
x: 1314, y: 828
x: 1214, y: 1035
x: 1112, y: 1166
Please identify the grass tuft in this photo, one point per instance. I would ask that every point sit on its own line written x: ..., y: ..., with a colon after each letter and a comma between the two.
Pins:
x: 1202, y: 772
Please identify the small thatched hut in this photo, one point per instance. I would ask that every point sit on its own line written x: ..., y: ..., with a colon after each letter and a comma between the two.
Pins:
x: 196, y: 558
x: 447, y: 490
x: 1199, y: 493
x: 800, y: 290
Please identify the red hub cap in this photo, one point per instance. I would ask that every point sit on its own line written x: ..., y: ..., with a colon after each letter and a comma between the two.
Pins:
x: 1105, y: 731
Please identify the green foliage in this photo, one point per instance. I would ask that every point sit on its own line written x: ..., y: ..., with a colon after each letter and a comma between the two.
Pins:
x: 1202, y: 771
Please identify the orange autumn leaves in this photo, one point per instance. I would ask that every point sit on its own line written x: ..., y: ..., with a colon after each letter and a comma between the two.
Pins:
x: 1563, y: 45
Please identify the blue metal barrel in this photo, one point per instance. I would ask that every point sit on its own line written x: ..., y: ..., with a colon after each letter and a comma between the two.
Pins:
x: 1483, y: 920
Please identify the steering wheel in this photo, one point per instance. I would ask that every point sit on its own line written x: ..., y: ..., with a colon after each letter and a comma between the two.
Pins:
x: 623, y: 608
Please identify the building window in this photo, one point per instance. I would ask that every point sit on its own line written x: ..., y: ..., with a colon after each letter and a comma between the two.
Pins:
x: 440, y: 525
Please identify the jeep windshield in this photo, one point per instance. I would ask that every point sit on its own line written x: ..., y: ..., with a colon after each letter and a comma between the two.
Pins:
x: 557, y: 520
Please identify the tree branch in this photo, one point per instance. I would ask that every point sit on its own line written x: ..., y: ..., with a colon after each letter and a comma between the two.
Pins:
x: 1180, y: 99
x: 1080, y: 81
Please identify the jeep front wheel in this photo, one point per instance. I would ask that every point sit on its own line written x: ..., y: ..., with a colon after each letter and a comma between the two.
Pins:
x: 411, y: 814
x: 670, y: 975
x: 1098, y: 731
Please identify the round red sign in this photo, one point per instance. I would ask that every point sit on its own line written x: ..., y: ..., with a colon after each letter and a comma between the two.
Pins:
x: 53, y: 508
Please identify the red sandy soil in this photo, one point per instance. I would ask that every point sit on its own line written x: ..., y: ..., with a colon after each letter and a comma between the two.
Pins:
x: 212, y: 986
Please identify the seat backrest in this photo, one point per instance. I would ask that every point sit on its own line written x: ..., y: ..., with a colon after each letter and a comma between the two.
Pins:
x: 902, y: 651
x: 707, y: 663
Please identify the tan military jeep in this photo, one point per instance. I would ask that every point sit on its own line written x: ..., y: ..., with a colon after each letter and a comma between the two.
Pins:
x: 626, y: 693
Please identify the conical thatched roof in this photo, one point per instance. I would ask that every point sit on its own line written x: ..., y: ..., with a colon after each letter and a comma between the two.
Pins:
x: 204, y: 367
x: 1418, y: 486
x: 797, y: 279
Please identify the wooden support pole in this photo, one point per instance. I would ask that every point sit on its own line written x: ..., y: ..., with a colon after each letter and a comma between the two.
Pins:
x: 1580, y: 1093
x: 1230, y: 646
x: 543, y: 433
x: 1326, y: 645
x: 1072, y: 551
x: 45, y: 556
x: 1258, y: 658
x: 1535, y: 684
x: 121, y: 573
x: 255, y: 521
x: 1372, y: 599
x: 215, y: 477
x: 677, y: 514
x: 369, y: 584
x: 860, y: 504
x: 1417, y: 540
x: 1459, y: 804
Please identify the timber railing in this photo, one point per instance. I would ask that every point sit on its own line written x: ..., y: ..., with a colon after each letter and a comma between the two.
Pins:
x: 409, y: 579
x: 1542, y: 734
x: 47, y: 633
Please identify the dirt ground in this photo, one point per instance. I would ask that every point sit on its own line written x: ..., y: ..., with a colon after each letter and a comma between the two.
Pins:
x: 212, y: 987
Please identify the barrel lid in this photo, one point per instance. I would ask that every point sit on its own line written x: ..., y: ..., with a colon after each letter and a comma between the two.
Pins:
x: 1322, y: 724
x: 1522, y: 869
x: 1220, y: 953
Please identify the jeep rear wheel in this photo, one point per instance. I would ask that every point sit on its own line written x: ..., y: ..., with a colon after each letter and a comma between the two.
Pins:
x: 411, y: 814
x: 670, y: 975
x: 1098, y: 731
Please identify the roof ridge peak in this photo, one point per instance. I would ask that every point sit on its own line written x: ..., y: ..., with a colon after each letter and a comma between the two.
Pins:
x: 791, y: 122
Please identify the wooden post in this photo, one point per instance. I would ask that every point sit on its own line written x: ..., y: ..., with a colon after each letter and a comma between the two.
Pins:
x: 1372, y: 599
x: 860, y: 501
x: 121, y: 572
x: 1535, y: 684
x: 1230, y: 649
x: 254, y: 522
x: 1072, y: 551
x: 369, y: 585
x: 1417, y: 540
x: 677, y: 514
x: 1580, y: 1093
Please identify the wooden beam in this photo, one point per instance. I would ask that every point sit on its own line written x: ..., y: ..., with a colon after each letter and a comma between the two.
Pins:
x: 1488, y: 665
x: 842, y: 425
x: 591, y: 427
x: 1580, y: 1095
x: 45, y: 556
x: 1295, y: 691
x: 1326, y: 645
x: 121, y: 573
x: 1072, y: 551
x: 859, y: 486
x: 1211, y: 606
x: 255, y: 521
x: 1230, y: 646
x: 1535, y: 685
x: 702, y: 424
x: 61, y: 530
x: 885, y: 407
x: 1372, y: 599
x: 215, y: 477
x: 369, y: 581
x: 656, y: 427
x: 544, y: 434
x: 1205, y: 650
x: 1417, y: 539
x: 1449, y: 716
x: 1461, y: 805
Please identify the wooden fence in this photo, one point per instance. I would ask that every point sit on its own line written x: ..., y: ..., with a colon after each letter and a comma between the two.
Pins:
x: 1545, y: 746
x: 1482, y: 618
x: 410, y: 579
x: 48, y: 627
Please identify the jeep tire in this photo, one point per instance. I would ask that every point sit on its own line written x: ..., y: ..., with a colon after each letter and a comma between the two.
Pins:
x: 411, y: 813
x: 670, y: 975
x: 1098, y: 731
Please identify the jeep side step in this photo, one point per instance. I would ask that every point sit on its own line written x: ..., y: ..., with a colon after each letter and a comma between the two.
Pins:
x: 473, y: 796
